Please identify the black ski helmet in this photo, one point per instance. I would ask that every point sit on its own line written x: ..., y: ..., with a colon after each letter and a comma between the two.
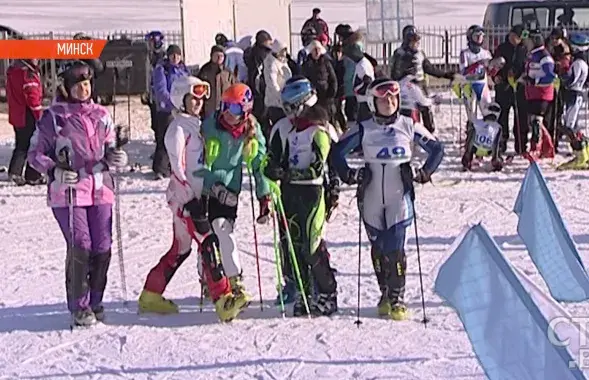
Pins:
x: 472, y: 30
x: 75, y: 72
x: 410, y: 34
x: 537, y: 38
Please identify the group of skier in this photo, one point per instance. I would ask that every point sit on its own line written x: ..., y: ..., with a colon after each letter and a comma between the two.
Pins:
x: 297, y: 169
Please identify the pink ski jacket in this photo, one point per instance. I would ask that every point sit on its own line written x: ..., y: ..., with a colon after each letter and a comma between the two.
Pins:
x: 87, y: 130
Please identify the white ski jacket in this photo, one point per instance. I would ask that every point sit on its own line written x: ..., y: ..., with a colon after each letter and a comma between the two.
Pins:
x: 185, y: 146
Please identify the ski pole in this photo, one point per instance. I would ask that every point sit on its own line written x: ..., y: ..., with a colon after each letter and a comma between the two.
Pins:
x: 122, y: 138
x: 360, y: 206
x: 211, y: 152
x: 278, y: 264
x: 65, y: 161
x: 250, y: 151
x: 275, y: 190
x: 425, y: 319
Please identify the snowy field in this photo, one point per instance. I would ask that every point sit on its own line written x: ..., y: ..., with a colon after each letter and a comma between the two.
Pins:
x: 105, y: 15
x: 35, y: 341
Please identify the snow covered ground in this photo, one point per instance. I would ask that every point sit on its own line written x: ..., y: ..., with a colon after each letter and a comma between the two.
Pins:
x: 35, y: 341
x: 105, y: 15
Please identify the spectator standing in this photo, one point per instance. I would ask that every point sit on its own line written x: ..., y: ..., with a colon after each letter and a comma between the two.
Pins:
x: 24, y: 93
x: 165, y: 73
x: 218, y: 77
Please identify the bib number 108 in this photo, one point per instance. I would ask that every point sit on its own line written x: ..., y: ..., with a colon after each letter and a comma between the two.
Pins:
x: 387, y: 153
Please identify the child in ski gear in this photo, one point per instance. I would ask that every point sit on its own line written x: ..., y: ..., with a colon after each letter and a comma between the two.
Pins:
x: 575, y: 92
x: 413, y: 100
x: 409, y: 59
x: 297, y: 157
x: 234, y: 127
x: 473, y: 66
x: 539, y: 80
x: 363, y: 73
x: 385, y: 185
x: 75, y: 145
x: 186, y: 146
x: 483, y: 138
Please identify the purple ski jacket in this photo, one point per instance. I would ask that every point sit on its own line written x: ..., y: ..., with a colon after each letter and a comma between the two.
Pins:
x: 88, y: 131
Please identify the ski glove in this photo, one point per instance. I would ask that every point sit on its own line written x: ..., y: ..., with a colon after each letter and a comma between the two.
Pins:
x: 65, y: 176
x: 277, y: 173
x: 421, y: 176
x: 361, y: 176
x: 264, y: 216
x: 116, y: 158
x: 224, y: 196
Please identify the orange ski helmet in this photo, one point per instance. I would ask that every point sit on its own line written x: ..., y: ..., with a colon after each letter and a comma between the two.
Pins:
x: 237, y: 100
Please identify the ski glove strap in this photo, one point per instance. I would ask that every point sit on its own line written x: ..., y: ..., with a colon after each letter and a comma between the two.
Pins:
x: 116, y: 158
x: 223, y: 195
x: 421, y: 176
x: 66, y: 177
x: 361, y: 176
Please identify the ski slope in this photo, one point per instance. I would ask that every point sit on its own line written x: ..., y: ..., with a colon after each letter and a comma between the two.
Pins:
x: 35, y: 341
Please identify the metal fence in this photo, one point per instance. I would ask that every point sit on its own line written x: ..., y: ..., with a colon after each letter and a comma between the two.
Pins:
x: 49, y: 68
x: 441, y: 45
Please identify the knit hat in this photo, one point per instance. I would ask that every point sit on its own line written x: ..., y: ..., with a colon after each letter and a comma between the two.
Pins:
x: 518, y: 30
x: 217, y: 49
x: 173, y: 49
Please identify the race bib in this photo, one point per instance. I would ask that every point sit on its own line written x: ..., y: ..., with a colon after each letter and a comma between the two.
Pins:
x: 484, y: 139
x: 390, y: 146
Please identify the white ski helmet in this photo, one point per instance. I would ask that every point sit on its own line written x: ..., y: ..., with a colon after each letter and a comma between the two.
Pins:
x: 379, y: 88
x: 492, y: 109
x: 188, y: 85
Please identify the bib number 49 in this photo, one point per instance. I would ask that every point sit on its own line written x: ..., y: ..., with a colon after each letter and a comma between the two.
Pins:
x: 387, y: 153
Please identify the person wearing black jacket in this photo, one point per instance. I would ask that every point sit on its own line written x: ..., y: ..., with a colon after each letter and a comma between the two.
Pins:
x: 514, y: 51
x: 409, y: 59
x: 254, y: 60
x: 318, y: 68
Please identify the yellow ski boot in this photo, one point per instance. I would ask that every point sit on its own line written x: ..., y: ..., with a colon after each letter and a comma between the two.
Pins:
x: 150, y: 302
x: 238, y: 288
x: 579, y: 162
x: 229, y: 306
x: 384, y: 307
x: 399, y: 312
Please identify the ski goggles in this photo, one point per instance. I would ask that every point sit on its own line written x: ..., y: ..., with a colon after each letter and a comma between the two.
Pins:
x: 236, y: 109
x: 386, y: 88
x: 201, y: 91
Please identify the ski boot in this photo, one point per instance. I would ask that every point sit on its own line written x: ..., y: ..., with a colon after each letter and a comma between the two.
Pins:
x: 288, y: 293
x: 150, y: 302
x: 99, y: 313
x: 238, y: 288
x: 18, y: 180
x: 579, y: 162
x: 229, y: 306
x: 299, y: 309
x: 83, y: 318
x: 384, y: 306
x: 399, y: 312
x: 324, y: 305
